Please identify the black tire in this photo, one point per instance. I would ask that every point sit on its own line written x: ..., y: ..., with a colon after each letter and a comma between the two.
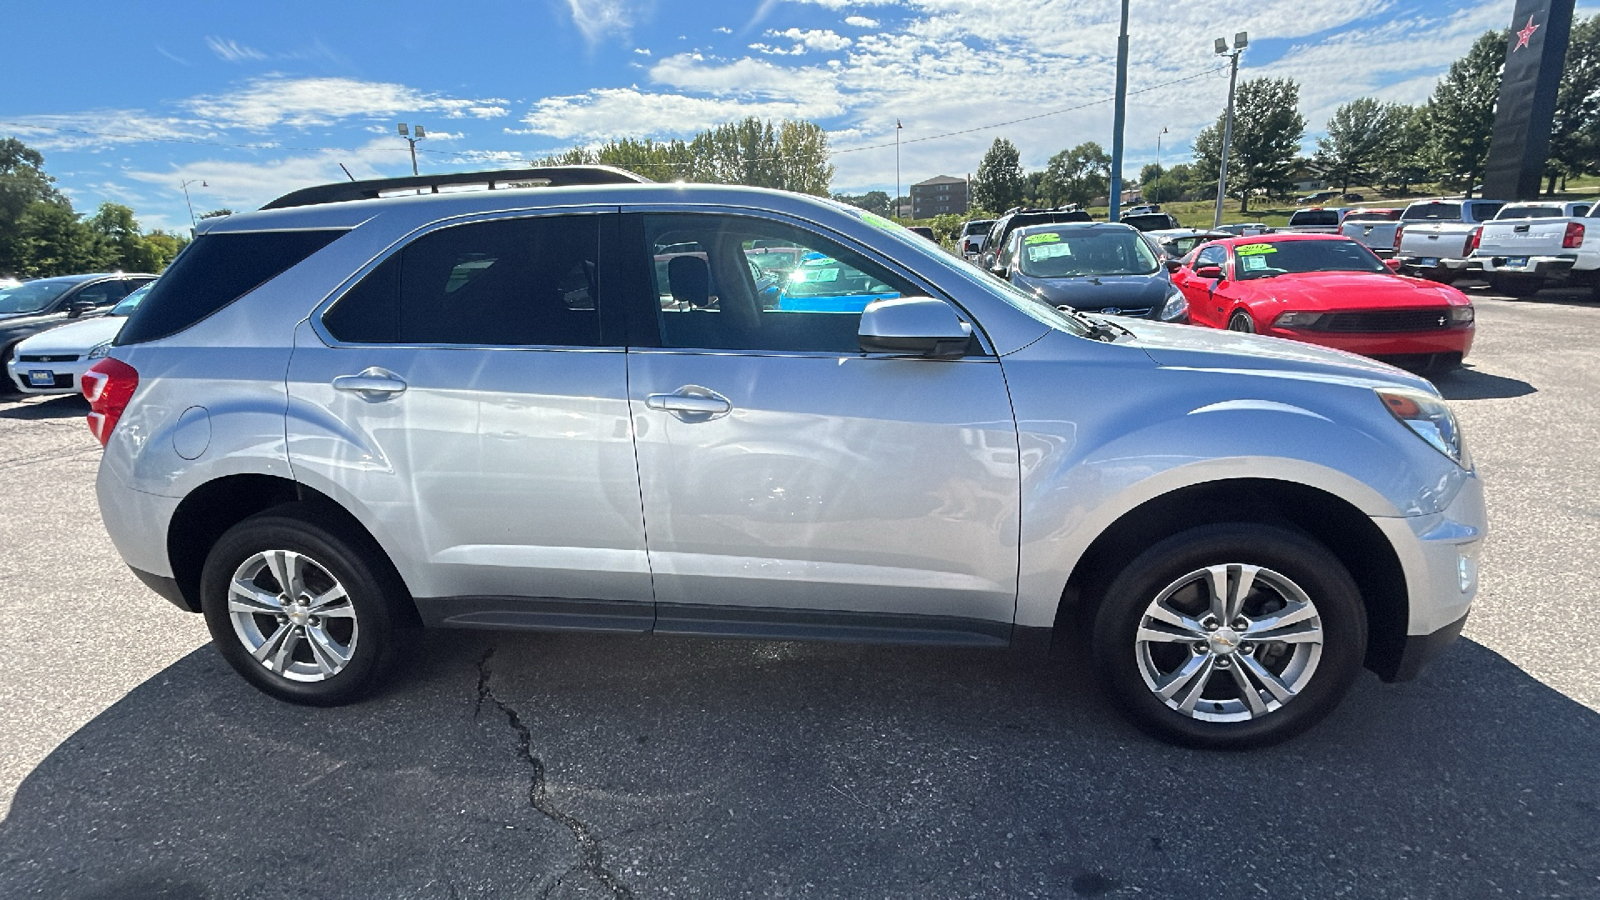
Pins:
x: 1320, y: 672
x: 1443, y: 364
x: 1442, y: 276
x: 1240, y: 321
x: 376, y: 633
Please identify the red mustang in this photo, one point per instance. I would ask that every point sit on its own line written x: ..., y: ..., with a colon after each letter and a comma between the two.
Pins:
x: 1327, y: 290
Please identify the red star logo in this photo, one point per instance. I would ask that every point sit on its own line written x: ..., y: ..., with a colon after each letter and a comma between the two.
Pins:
x: 1524, y: 35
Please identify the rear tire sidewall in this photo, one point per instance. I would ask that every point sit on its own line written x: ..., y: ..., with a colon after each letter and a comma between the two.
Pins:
x: 363, y: 578
x: 1301, y: 559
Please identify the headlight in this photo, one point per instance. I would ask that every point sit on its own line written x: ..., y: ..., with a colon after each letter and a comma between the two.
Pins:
x: 98, y: 351
x: 1428, y: 418
x: 1297, y: 320
x: 1176, y: 308
x: 1460, y: 315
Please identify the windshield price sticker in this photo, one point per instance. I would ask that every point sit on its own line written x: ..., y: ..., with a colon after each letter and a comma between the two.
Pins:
x: 1049, y: 237
x: 1254, y: 263
x: 1048, y: 251
x: 1253, y: 249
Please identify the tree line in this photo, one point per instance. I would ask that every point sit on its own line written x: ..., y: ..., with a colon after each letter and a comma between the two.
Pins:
x: 41, y: 235
x: 790, y: 155
x: 1442, y: 143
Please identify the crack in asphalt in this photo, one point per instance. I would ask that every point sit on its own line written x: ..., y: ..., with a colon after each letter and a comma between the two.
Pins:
x: 591, y: 862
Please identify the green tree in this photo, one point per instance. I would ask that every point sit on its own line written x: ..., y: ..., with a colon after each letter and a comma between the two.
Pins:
x: 1267, y: 130
x: 22, y: 184
x: 1357, y: 142
x: 791, y: 155
x: 1080, y: 175
x: 803, y: 158
x: 1407, y: 157
x: 1460, y: 114
x: 1574, y: 141
x: 52, y: 240
x: 871, y: 201
x: 164, y: 248
x: 998, y: 184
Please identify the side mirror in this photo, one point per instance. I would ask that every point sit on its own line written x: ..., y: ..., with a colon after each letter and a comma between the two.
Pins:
x: 1393, y: 263
x: 1000, y: 269
x: 1174, y: 265
x: 78, y: 307
x: 1212, y: 272
x: 914, y: 326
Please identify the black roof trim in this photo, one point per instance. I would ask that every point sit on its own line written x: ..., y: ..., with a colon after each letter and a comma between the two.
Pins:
x: 552, y: 176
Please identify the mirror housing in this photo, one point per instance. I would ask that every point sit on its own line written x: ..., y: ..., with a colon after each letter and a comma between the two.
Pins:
x: 77, y: 308
x: 1393, y: 263
x: 1212, y: 272
x: 1174, y: 265
x: 914, y: 326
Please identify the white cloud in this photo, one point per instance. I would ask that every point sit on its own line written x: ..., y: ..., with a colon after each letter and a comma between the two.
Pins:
x: 233, y: 51
x: 247, y: 184
x: 641, y: 51
x: 306, y: 102
x: 722, y: 29
x: 861, y: 21
x: 599, y: 18
x: 630, y: 112
x: 100, y: 129
x: 821, y: 40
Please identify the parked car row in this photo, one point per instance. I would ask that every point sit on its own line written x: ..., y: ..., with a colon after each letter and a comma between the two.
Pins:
x: 34, y: 306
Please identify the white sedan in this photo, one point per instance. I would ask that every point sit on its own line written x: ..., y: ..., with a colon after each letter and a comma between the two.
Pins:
x: 53, y: 362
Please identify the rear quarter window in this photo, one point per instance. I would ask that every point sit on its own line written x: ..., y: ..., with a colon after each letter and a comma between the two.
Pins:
x: 214, y: 271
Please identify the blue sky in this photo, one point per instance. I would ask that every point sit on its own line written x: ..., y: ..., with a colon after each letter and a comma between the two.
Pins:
x: 128, y: 101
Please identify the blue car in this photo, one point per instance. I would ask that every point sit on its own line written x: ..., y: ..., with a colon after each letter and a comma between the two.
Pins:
x: 823, y: 284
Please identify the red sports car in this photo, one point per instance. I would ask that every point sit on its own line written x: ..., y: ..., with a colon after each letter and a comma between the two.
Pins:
x: 1327, y: 290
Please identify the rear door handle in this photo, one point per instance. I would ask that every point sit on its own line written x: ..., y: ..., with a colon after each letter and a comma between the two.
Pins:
x: 372, y: 383
x: 691, y: 403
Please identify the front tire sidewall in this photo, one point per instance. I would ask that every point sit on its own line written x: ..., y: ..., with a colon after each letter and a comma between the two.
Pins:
x: 1305, y: 562
x: 1242, y: 322
x: 362, y: 581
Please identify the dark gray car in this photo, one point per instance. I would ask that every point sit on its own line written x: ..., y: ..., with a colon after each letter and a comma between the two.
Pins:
x: 44, y: 303
x: 1105, y: 267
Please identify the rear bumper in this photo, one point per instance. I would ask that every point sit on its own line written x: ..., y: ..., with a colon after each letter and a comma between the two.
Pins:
x: 1404, y: 343
x: 1420, y: 265
x: 1541, y: 266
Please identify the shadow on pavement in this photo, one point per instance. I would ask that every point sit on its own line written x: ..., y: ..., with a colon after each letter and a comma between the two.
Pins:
x: 1467, y: 383
x: 65, y: 406
x: 580, y: 766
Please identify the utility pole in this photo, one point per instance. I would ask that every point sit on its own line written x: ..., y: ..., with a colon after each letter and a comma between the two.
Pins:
x: 897, y: 127
x: 1121, y: 117
x: 412, y: 140
x: 1158, y: 150
x: 193, y: 222
x: 1240, y: 41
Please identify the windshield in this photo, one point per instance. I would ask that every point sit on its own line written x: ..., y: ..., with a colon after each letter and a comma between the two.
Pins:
x: 1076, y: 253
x: 1314, y: 218
x: 27, y: 298
x: 1432, y: 211
x: 1266, y: 260
x: 130, y: 302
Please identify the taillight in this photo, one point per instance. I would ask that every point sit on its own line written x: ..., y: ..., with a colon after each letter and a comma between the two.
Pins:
x: 1573, y: 239
x: 108, y: 386
x: 1473, y: 237
x: 1398, y: 230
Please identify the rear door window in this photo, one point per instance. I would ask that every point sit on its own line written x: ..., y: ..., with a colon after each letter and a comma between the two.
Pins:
x: 213, y: 272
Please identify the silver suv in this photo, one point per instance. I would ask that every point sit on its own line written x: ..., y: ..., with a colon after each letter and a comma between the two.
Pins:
x: 709, y: 410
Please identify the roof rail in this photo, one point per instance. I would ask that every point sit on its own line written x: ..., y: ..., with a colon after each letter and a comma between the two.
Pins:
x: 548, y: 176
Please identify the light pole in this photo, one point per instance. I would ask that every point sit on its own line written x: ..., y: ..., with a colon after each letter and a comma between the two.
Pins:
x: 1158, y: 148
x: 1120, y: 118
x: 193, y: 222
x: 897, y: 127
x: 1240, y: 41
x: 406, y: 133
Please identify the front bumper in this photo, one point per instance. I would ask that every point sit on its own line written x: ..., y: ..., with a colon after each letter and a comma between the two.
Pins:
x: 1439, y: 555
x: 1456, y: 339
x: 65, y: 377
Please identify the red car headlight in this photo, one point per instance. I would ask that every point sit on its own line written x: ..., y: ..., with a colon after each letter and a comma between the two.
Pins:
x: 1297, y: 320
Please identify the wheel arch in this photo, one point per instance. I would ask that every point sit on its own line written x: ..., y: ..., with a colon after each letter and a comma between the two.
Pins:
x: 209, y: 510
x: 1325, y: 517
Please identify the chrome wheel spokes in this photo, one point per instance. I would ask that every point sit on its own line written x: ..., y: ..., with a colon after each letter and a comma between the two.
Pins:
x: 292, y: 615
x: 1229, y: 642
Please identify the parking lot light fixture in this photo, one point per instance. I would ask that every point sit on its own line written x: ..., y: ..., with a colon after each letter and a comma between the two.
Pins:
x: 1240, y: 41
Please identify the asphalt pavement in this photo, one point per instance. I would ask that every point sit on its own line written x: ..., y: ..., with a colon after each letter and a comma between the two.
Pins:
x: 134, y: 764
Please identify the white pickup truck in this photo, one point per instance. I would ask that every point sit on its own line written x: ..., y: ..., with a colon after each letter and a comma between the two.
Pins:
x: 1529, y: 245
x: 1373, y: 228
x: 1436, y: 237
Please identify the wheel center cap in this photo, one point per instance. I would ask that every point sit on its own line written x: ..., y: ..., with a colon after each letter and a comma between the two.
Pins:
x: 1224, y: 641
x: 298, y: 614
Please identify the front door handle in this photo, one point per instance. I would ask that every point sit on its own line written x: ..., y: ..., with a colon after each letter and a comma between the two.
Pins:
x: 691, y: 403
x: 372, y: 384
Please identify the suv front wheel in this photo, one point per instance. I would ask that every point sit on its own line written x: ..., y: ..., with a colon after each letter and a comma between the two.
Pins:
x: 302, y: 611
x: 1230, y: 636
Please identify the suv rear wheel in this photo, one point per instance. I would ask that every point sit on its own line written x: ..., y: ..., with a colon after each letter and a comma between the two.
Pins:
x: 1230, y: 636
x: 303, y: 612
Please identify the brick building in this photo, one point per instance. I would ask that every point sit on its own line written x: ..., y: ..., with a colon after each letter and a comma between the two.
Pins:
x: 937, y: 196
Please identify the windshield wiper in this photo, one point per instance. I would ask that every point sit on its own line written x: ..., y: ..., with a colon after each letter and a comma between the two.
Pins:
x: 1099, y: 329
